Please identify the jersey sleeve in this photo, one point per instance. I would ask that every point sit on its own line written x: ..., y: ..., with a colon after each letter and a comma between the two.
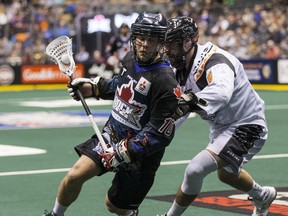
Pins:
x: 159, y: 131
x: 107, y: 88
x: 220, y: 88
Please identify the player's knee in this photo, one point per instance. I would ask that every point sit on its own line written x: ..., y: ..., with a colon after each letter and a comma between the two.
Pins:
x: 194, y: 170
x: 110, y: 207
x: 201, y: 165
x: 81, y: 171
x: 74, y: 177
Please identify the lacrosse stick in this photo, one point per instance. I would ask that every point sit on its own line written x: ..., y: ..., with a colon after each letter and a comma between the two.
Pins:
x: 60, y: 52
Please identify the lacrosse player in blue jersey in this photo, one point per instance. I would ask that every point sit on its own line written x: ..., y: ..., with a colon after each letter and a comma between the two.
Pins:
x: 145, y: 96
x: 235, y: 112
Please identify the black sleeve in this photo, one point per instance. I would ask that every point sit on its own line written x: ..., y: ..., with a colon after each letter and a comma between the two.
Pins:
x: 106, y: 88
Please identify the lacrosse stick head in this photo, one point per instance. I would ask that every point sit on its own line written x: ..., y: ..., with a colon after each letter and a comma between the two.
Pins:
x: 60, y: 52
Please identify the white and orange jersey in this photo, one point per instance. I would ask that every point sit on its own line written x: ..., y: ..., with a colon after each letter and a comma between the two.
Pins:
x: 219, y: 77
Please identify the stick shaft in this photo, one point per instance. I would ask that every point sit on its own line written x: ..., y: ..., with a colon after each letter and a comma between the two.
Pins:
x: 90, y: 116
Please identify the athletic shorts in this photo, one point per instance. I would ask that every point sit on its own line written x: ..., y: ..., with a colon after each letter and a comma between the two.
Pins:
x: 130, y: 187
x: 90, y: 148
x: 132, y: 182
x: 233, y: 151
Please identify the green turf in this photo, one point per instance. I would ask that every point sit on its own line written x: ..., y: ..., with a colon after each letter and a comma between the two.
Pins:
x: 29, y: 195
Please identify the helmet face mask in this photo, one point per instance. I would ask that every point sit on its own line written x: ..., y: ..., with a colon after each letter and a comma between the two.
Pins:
x: 147, y: 37
x: 181, y: 36
x: 146, y: 48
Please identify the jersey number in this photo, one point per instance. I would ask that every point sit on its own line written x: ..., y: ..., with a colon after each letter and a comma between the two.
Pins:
x: 167, y: 127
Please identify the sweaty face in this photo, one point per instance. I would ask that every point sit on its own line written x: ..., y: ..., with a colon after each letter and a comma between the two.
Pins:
x: 174, y: 53
x: 146, y: 48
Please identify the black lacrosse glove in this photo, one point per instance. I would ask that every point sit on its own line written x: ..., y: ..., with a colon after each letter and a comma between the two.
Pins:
x: 188, y: 103
x: 247, y: 134
x: 76, y: 84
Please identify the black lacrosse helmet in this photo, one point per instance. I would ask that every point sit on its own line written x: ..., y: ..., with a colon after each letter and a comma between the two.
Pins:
x: 179, y: 30
x: 151, y: 25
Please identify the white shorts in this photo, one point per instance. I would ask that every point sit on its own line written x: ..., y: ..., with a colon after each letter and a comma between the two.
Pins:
x: 235, y: 156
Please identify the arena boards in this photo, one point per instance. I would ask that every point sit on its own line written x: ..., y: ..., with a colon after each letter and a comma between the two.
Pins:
x: 64, y: 86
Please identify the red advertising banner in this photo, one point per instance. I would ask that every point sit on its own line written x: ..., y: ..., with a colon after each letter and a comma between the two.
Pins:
x: 40, y: 74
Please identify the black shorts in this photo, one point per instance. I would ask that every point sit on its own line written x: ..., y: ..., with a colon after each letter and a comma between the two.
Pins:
x: 130, y: 187
x: 88, y: 148
x: 131, y: 183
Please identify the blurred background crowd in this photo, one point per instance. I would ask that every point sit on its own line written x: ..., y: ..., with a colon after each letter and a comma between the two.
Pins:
x: 248, y: 29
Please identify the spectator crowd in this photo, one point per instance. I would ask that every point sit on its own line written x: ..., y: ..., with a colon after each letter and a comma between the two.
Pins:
x: 259, y: 31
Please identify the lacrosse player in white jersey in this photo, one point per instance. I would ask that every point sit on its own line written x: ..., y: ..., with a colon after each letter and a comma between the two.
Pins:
x: 216, y: 87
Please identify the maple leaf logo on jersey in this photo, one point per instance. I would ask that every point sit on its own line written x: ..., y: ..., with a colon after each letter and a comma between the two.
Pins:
x: 177, y: 92
x: 125, y: 109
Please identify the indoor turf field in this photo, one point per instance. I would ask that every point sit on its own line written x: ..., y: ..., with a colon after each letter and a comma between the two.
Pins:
x: 50, y: 124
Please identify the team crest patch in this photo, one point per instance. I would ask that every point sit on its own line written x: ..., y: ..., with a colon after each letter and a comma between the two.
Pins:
x: 143, y: 86
x: 125, y: 109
